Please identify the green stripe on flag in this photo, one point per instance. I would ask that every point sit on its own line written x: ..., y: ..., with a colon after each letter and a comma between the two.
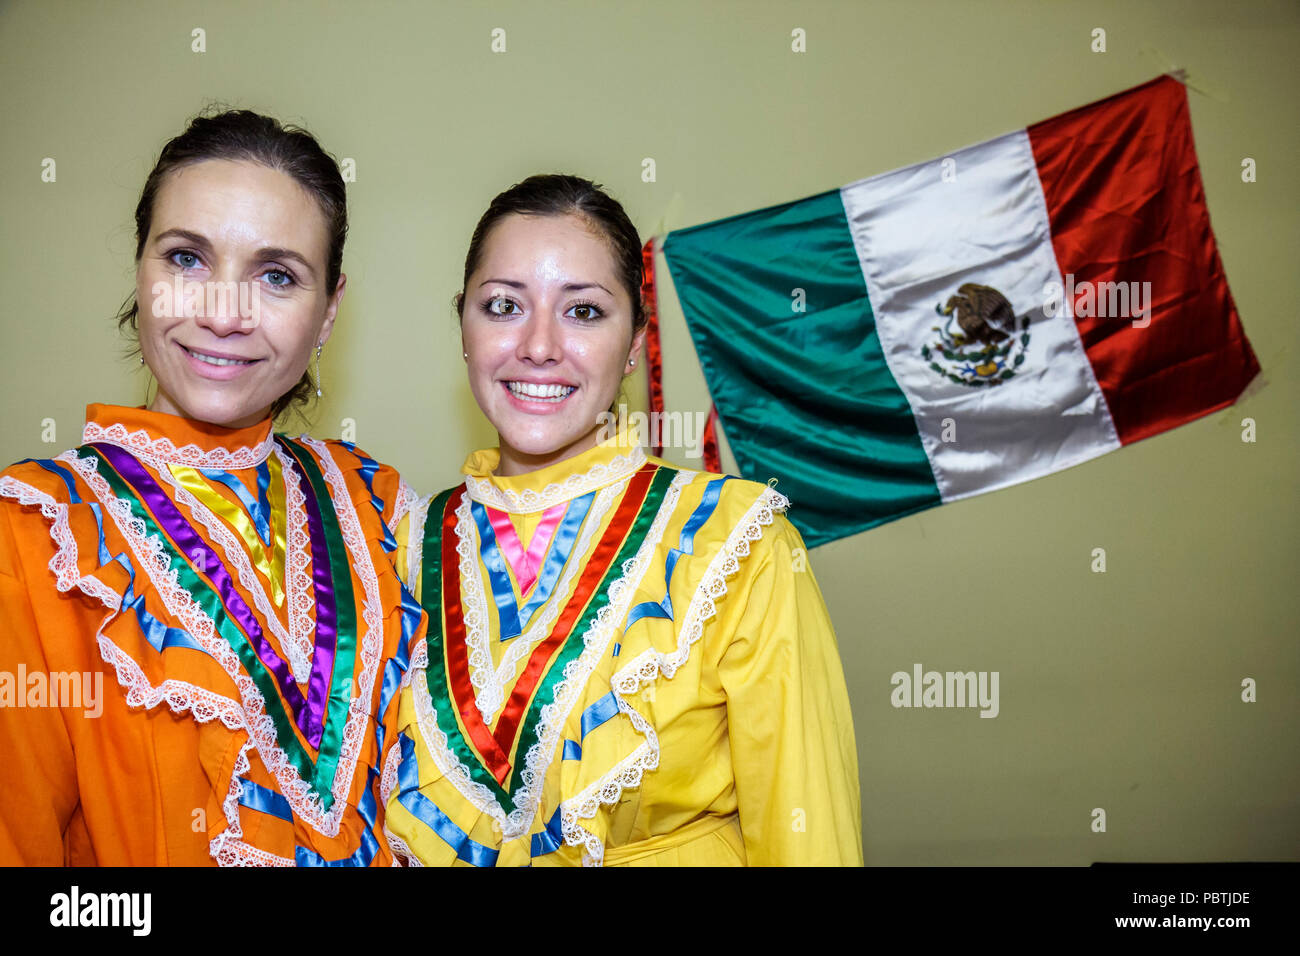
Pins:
x: 778, y: 310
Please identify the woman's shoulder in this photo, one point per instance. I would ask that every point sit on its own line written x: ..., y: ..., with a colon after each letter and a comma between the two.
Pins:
x: 369, y: 480
x: 726, y: 503
x: 42, y: 481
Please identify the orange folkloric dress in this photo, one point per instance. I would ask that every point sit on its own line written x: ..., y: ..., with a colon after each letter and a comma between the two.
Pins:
x: 201, y: 640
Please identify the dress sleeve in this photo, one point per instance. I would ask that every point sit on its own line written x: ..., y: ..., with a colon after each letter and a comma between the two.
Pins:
x: 39, y: 792
x: 789, y: 723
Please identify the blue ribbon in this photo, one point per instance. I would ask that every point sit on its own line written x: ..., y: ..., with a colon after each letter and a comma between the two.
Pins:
x: 550, y: 839
x: 503, y: 592
x: 264, y: 799
x: 685, y: 545
x: 558, y: 553
x: 259, y: 510
x: 599, y: 712
x: 427, y: 812
x: 399, y: 662
x: 369, y: 845
x: 368, y: 468
x: 158, y: 634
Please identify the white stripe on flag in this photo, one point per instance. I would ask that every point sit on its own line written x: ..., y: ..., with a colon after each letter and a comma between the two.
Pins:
x: 919, y: 238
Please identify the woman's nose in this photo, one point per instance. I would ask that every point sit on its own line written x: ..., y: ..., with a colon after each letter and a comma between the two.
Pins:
x: 540, y: 339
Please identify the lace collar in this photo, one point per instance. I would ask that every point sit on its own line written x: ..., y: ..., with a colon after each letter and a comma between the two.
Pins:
x: 159, y: 438
x: 611, y: 460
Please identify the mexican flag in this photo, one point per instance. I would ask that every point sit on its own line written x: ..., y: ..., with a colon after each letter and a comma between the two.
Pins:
x: 957, y: 326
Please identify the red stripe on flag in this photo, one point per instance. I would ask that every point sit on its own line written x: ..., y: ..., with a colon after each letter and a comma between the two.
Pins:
x: 1126, y: 204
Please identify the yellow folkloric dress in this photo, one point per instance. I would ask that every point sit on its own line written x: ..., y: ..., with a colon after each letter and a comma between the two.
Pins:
x: 223, y: 608
x: 626, y: 663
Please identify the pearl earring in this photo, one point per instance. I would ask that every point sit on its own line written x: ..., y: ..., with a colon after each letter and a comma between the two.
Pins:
x: 318, y: 391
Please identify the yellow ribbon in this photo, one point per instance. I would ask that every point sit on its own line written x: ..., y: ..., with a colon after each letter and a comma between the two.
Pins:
x: 271, y: 564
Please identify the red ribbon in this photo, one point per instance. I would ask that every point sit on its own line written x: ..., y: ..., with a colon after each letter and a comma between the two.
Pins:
x: 597, y: 565
x: 654, y: 354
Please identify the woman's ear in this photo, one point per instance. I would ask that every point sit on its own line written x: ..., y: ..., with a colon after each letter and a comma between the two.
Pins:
x: 332, y: 310
x: 634, y: 352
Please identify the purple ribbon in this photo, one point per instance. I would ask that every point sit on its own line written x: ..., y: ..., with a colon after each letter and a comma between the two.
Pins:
x: 308, y: 715
x: 322, y: 663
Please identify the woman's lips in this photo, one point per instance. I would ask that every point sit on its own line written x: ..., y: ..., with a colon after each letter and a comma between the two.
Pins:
x: 537, y: 406
x: 215, y: 366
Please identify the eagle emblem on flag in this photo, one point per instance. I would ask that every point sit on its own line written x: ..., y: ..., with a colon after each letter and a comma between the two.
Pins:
x: 982, y: 349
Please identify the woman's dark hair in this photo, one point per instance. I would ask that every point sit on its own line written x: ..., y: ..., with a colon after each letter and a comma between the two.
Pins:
x: 554, y: 194
x: 219, y: 133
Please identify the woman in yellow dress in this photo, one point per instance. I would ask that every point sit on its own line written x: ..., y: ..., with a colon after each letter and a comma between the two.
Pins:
x: 626, y: 662
x: 201, y: 630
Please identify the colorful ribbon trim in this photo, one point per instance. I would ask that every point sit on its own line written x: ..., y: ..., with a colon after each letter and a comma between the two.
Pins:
x: 487, y: 755
x: 253, y: 528
x: 569, y: 517
x: 236, y: 623
x: 428, y: 813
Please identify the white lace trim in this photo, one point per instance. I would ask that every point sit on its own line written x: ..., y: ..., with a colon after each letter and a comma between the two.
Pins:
x: 150, y: 554
x: 227, y: 847
x: 415, y: 542
x: 648, y: 666
x: 163, y: 450
x: 64, y: 563
x: 298, y: 642
x: 527, y: 501
x: 181, y: 696
x: 406, y: 500
x: 400, y: 850
x: 540, y: 755
x: 372, y: 641
x: 490, y: 683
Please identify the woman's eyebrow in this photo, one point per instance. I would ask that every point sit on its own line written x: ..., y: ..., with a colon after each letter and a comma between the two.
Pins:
x: 191, y: 237
x: 567, y: 287
x: 268, y: 253
x: 579, y: 286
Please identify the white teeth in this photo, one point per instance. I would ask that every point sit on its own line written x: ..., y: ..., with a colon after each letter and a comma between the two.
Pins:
x: 540, y: 393
x: 213, y: 360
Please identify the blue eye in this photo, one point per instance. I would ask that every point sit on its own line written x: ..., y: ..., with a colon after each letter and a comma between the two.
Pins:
x: 184, y: 259
x: 283, y: 281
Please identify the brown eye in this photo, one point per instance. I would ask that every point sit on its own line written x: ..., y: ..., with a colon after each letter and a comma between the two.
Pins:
x: 585, y: 312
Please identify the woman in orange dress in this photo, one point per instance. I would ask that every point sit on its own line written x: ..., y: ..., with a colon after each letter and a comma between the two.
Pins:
x: 201, y: 632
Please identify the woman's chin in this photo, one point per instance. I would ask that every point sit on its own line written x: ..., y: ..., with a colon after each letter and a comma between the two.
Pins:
x: 210, y: 409
x: 541, y: 440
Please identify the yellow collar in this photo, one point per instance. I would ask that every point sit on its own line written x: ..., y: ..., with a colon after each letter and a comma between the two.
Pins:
x: 613, y: 459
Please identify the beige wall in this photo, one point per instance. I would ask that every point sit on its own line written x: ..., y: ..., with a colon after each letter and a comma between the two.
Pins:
x: 1118, y: 690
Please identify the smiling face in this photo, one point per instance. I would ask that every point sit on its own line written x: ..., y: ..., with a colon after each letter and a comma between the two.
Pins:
x: 548, y: 328
x: 247, y: 247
